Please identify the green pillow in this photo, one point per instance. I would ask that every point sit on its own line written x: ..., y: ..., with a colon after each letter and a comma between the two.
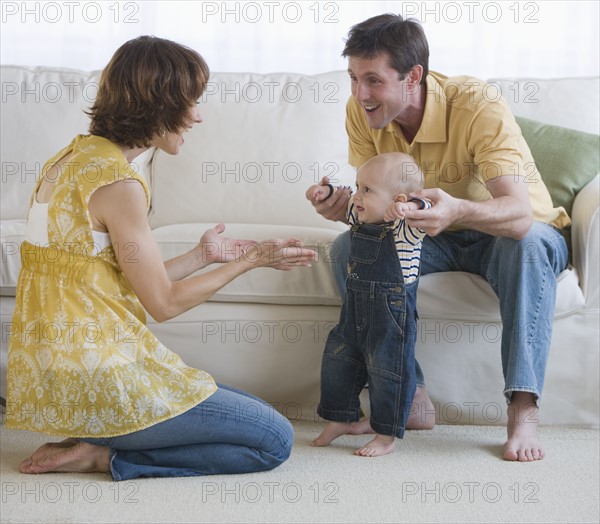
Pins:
x: 567, y: 159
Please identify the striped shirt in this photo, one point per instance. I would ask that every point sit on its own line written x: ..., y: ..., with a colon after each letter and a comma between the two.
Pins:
x: 408, y: 241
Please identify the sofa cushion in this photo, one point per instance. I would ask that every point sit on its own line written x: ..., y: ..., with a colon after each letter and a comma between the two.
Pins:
x: 43, y: 108
x: 441, y: 295
x: 311, y: 285
x: 567, y: 159
x: 468, y: 297
x: 265, y: 136
x: 565, y: 102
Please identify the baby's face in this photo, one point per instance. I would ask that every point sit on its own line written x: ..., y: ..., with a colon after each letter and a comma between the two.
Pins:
x: 372, y: 196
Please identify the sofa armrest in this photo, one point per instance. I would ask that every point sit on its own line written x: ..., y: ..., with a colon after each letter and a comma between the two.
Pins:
x: 585, y: 235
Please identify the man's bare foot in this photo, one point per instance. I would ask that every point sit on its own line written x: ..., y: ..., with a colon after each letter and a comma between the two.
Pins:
x: 334, y: 430
x: 422, y: 412
x: 523, y: 444
x: 69, y: 455
x: 380, y: 445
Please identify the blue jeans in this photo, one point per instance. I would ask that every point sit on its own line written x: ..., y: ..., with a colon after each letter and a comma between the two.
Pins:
x: 230, y: 432
x: 523, y: 275
x: 374, y: 341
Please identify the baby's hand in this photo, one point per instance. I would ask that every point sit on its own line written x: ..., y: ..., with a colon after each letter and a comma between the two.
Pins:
x: 396, y: 211
x: 329, y: 202
x: 318, y: 193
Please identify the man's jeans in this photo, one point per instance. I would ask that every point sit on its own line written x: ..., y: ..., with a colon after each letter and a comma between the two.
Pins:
x: 523, y: 275
x: 230, y: 432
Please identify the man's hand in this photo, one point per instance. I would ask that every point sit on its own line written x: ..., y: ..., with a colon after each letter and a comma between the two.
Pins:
x: 507, y: 214
x: 444, y: 211
x: 333, y: 207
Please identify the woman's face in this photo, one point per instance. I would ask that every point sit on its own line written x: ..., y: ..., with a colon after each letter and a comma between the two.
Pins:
x: 171, y: 142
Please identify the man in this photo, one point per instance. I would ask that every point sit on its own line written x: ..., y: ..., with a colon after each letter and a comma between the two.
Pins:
x: 492, y: 214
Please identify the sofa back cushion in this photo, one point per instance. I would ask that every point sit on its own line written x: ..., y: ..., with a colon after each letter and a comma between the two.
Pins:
x: 566, y: 158
x: 42, y: 110
x: 566, y: 102
x: 263, y: 141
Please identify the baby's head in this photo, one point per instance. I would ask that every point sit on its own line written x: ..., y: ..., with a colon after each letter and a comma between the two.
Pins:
x: 383, y: 179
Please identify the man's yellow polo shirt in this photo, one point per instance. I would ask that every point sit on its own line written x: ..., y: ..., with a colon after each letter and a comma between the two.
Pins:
x: 467, y: 138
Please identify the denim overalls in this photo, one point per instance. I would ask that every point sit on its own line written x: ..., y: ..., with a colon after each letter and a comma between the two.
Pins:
x: 374, y: 341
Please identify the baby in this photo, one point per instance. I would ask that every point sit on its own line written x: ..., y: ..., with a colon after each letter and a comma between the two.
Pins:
x: 369, y: 344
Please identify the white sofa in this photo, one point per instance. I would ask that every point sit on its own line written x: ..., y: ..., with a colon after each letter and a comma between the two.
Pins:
x: 264, y: 140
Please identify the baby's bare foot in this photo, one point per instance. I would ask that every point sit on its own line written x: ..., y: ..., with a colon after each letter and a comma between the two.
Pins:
x: 380, y: 445
x: 334, y: 430
x: 523, y: 444
x: 361, y: 427
x: 69, y: 455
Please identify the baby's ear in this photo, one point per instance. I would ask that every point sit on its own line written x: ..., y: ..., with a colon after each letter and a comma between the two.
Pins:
x: 400, y: 197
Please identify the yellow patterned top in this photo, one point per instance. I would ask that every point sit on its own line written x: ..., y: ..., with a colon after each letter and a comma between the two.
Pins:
x: 81, y: 361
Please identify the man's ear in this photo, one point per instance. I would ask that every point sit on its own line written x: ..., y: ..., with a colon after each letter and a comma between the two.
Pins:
x: 415, y: 74
x: 400, y: 197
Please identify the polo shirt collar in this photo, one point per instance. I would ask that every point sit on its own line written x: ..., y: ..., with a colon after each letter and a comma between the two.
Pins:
x: 433, y: 126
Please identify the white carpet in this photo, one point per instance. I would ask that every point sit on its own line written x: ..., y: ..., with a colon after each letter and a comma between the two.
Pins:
x: 448, y: 474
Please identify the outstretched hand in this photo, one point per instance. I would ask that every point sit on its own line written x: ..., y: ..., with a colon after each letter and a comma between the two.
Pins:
x: 279, y: 254
x: 217, y: 248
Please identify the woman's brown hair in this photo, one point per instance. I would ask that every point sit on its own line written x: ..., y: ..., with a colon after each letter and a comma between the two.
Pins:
x: 146, y: 90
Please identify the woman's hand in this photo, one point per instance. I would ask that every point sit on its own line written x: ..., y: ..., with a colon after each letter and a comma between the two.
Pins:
x: 279, y: 254
x: 214, y: 248
x: 161, y: 287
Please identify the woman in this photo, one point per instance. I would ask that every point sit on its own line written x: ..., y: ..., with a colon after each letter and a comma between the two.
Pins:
x: 82, y: 363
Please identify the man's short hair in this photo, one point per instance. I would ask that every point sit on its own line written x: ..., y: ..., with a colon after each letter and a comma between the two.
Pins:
x: 403, y: 40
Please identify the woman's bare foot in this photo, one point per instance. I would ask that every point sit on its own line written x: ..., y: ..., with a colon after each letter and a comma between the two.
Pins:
x: 334, y: 430
x: 69, y: 455
x: 422, y: 412
x: 523, y: 444
x: 380, y: 445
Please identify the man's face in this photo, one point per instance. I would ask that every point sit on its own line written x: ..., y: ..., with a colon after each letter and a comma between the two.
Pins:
x: 379, y: 89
